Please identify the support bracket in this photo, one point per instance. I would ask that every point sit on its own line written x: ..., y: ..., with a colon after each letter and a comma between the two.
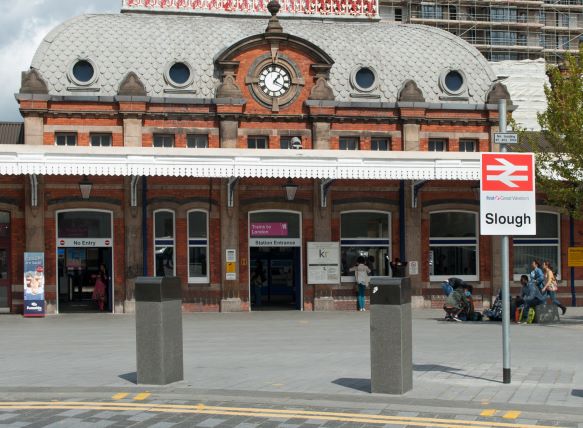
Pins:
x: 231, y: 191
x: 415, y: 187
x: 33, y: 190
x: 134, y: 190
x: 324, y: 187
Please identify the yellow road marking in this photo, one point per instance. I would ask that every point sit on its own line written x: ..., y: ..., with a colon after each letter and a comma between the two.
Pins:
x: 488, y: 412
x: 513, y: 414
x: 142, y: 396
x: 264, y: 413
x: 120, y: 396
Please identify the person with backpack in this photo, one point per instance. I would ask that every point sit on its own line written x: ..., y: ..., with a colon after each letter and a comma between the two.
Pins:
x: 550, y: 286
x: 361, y: 273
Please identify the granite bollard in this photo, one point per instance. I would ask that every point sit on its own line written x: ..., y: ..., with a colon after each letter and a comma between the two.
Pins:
x: 159, y: 330
x: 391, y: 350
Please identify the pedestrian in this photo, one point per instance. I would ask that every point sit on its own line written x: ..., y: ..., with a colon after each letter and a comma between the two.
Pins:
x: 537, y: 276
x: 550, y: 286
x: 257, y: 280
x: 100, y: 288
x: 532, y: 297
x: 361, y: 272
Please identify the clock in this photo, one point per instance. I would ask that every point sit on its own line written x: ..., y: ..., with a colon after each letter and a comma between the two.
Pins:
x: 274, y: 80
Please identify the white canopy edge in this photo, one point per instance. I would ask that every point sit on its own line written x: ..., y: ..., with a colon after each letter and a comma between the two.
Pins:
x: 224, y: 163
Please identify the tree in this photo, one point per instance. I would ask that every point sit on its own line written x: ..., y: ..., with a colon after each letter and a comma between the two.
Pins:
x: 559, y: 150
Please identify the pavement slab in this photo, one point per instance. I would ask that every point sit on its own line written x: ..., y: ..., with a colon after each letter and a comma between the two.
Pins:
x: 292, y: 360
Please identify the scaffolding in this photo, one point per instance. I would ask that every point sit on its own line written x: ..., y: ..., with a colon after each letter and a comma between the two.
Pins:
x: 500, y: 29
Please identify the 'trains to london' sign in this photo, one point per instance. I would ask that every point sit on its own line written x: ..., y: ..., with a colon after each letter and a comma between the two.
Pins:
x: 507, y: 194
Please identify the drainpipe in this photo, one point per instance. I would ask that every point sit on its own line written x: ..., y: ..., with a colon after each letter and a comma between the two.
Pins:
x: 145, y: 225
x: 572, y: 244
x: 402, y: 246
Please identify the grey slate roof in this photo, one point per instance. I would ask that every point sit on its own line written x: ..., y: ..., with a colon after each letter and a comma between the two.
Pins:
x: 11, y: 133
x: 147, y: 43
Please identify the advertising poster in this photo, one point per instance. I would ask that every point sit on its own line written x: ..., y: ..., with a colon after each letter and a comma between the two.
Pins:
x: 34, y: 284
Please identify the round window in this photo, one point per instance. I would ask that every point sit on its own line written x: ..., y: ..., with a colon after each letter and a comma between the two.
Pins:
x: 83, y: 71
x: 365, y: 79
x: 179, y: 73
x: 454, y: 81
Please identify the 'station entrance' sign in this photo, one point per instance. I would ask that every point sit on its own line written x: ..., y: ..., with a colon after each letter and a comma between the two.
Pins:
x: 507, y: 196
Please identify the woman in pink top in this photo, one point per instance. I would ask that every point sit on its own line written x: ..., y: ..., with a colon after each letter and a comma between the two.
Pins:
x: 100, y: 289
x: 551, y: 286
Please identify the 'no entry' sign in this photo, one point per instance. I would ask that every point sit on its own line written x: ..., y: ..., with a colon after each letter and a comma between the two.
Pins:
x: 507, y: 194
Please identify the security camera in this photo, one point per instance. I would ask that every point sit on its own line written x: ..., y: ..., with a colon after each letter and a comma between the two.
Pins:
x: 296, y: 143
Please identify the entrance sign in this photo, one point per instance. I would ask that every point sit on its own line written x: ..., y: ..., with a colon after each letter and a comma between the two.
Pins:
x: 275, y: 242
x: 323, y: 262
x: 231, y: 265
x: 84, y: 243
x: 575, y: 257
x: 34, y: 285
x: 505, y: 138
x: 269, y: 229
x: 507, y: 196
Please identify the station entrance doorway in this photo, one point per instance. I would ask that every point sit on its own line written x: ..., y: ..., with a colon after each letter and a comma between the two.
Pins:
x: 84, y: 248
x: 276, y: 273
x: 275, y: 261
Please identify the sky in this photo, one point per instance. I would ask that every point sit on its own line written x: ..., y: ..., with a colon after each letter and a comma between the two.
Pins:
x: 23, y: 25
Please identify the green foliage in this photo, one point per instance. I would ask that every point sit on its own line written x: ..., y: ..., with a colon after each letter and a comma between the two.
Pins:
x: 559, y: 153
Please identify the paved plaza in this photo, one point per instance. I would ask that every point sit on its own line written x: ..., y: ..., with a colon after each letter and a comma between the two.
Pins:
x: 290, y: 362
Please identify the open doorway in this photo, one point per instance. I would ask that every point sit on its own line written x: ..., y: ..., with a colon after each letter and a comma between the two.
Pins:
x: 275, y: 274
x: 78, y: 271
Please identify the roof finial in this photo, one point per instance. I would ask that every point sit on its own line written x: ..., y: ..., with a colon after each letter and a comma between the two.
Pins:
x: 274, y: 26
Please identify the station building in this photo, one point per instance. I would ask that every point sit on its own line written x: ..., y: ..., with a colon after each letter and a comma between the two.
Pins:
x: 200, y: 140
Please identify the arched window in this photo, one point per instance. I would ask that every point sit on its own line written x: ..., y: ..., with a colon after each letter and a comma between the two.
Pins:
x: 545, y: 245
x: 366, y: 234
x: 164, y: 243
x: 198, y: 260
x: 453, y: 245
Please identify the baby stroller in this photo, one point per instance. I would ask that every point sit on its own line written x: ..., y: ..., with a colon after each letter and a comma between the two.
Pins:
x: 495, y: 312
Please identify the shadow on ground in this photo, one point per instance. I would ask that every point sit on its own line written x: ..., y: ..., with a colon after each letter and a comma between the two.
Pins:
x: 446, y: 369
x: 130, y: 377
x: 354, y: 383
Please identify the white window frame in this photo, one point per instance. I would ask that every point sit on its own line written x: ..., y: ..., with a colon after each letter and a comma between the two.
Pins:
x: 455, y: 242
x: 388, y: 240
x: 528, y: 241
x: 197, y: 279
x: 173, y: 240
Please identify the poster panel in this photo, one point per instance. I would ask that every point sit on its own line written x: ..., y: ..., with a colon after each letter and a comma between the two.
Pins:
x: 323, y: 262
x: 34, y: 284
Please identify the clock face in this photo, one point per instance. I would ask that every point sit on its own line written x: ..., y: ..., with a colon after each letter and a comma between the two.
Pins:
x: 274, y: 80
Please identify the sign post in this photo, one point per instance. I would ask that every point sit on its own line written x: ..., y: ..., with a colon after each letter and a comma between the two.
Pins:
x: 507, y: 207
x: 34, y: 285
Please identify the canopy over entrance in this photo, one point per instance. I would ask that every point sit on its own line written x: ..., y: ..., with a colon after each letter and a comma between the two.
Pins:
x: 225, y: 163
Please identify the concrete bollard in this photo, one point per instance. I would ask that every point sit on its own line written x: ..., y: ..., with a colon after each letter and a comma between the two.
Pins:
x: 391, y: 350
x: 159, y: 330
